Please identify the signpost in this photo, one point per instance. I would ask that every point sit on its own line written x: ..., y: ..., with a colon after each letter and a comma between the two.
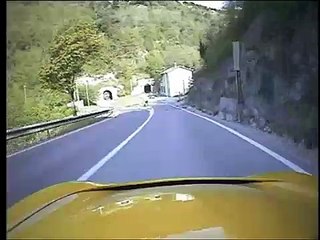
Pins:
x: 236, y: 56
x: 87, y: 93
x: 25, y: 93
x: 236, y: 67
x: 77, y: 92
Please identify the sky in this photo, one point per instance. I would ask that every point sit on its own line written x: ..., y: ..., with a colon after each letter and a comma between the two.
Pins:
x: 211, y: 4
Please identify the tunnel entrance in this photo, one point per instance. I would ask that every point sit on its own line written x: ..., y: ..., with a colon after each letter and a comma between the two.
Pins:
x: 107, y: 95
x: 147, y: 88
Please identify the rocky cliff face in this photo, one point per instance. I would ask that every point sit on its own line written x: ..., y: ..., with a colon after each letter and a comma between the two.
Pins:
x: 279, y: 70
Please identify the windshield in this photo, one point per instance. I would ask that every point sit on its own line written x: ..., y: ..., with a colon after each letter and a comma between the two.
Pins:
x: 125, y: 91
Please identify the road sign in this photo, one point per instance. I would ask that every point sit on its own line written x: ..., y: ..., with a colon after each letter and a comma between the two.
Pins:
x: 236, y: 68
x: 236, y: 56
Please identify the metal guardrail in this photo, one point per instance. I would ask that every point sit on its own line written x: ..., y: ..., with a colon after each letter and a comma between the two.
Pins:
x: 39, y: 127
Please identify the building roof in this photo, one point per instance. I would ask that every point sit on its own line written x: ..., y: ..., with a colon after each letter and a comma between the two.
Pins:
x: 174, y: 68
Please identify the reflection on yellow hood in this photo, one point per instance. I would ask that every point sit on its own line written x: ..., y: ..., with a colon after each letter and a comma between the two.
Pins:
x: 280, y: 205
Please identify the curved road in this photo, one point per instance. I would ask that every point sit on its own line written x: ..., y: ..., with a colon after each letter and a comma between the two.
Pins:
x: 171, y: 143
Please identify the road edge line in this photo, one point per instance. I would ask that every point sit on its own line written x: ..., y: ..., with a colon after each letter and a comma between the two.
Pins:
x: 252, y: 142
x: 98, y: 165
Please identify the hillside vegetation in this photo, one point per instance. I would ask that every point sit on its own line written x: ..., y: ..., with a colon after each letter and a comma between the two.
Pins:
x: 139, y: 38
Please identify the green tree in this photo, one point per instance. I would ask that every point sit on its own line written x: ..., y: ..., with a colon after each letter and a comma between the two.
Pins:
x: 36, y: 108
x: 182, y: 55
x: 138, y: 29
x: 30, y: 31
x: 154, y: 63
x: 73, y: 46
x: 39, y: 109
x: 101, y: 61
x: 126, y: 74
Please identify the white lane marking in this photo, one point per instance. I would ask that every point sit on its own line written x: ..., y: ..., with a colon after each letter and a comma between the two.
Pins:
x: 254, y: 143
x: 58, y: 137
x: 64, y: 135
x: 96, y: 167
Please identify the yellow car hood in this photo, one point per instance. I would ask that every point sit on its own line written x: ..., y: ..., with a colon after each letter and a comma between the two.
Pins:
x: 278, y: 205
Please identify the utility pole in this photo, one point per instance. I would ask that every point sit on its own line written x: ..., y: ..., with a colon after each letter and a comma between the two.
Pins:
x: 77, y: 93
x: 184, y: 86
x: 130, y: 85
x: 25, y: 93
x: 87, y: 93
x: 236, y: 62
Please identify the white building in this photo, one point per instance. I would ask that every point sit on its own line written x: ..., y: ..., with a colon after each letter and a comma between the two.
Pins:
x: 175, y: 81
x: 139, y: 88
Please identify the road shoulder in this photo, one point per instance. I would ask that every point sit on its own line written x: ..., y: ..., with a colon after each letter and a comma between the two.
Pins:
x: 306, y: 159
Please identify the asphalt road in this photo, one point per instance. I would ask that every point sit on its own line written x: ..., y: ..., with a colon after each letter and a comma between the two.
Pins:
x: 173, y: 143
x: 67, y: 158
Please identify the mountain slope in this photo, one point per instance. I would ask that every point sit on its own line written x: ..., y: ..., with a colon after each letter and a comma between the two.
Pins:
x: 141, y: 37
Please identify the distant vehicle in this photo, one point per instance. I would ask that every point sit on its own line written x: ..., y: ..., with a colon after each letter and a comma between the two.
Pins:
x: 275, y: 205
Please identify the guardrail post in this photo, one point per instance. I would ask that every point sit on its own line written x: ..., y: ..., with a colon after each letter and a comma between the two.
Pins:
x: 48, y: 133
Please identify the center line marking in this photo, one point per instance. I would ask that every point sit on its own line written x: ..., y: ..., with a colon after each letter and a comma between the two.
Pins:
x: 96, y: 167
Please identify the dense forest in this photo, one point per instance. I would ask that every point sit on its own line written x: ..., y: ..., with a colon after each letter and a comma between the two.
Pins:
x: 138, y: 38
